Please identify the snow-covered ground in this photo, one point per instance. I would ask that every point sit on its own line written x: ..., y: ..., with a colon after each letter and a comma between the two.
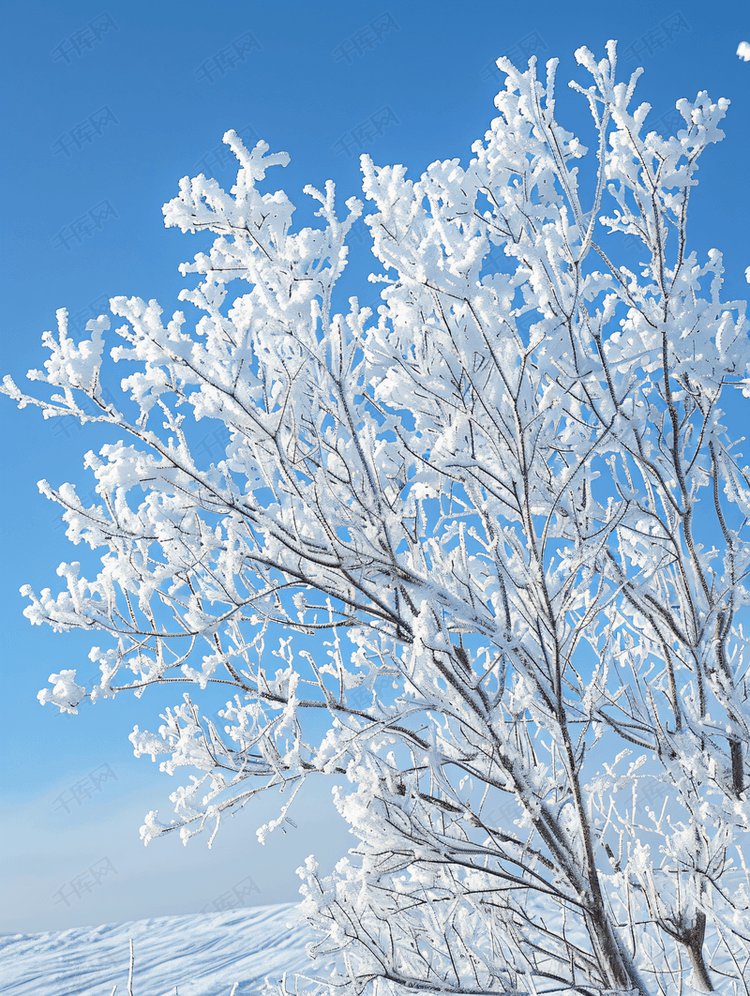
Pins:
x: 203, y: 955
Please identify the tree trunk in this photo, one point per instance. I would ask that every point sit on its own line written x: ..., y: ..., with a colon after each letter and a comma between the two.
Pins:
x: 616, y: 965
x: 693, y: 941
x: 738, y: 770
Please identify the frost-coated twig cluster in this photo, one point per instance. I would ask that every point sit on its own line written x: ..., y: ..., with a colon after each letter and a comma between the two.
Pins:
x: 505, y: 520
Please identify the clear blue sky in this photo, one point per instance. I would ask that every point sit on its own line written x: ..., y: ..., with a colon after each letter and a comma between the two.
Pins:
x: 107, y: 104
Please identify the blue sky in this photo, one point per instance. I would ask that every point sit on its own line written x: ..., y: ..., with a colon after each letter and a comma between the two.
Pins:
x: 107, y: 105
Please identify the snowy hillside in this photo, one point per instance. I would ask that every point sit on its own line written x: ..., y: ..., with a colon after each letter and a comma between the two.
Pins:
x: 203, y: 955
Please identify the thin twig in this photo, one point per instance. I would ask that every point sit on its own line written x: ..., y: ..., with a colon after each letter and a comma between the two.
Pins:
x: 130, y: 973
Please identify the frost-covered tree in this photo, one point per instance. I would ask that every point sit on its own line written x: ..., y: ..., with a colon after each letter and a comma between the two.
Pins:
x: 495, y: 535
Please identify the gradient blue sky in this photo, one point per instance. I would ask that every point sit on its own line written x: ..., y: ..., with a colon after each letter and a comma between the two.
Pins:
x: 107, y: 104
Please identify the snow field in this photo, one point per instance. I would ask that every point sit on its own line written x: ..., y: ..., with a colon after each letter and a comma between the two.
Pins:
x: 203, y: 955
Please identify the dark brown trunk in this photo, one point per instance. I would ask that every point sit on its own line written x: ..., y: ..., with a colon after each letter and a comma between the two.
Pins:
x: 617, y: 968
x: 738, y: 774
x: 692, y: 939
x: 615, y: 963
x: 694, y: 943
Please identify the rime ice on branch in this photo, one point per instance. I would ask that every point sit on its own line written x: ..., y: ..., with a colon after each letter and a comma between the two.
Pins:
x: 506, y: 521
